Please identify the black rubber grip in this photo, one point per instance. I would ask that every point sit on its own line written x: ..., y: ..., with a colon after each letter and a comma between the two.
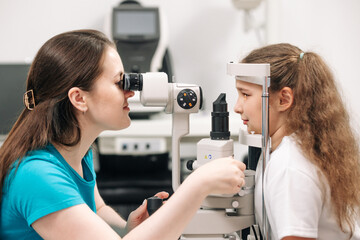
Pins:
x: 153, y: 204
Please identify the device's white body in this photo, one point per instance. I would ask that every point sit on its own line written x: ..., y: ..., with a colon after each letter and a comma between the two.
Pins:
x: 220, y: 216
x: 208, y: 150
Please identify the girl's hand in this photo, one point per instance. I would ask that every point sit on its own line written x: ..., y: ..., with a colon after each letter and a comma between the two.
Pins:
x: 221, y: 176
x: 139, y: 215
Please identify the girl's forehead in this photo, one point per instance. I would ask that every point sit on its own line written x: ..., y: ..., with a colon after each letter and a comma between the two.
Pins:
x: 246, y: 85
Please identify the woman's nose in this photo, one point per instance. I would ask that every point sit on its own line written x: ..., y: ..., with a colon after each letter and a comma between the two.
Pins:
x: 129, y: 94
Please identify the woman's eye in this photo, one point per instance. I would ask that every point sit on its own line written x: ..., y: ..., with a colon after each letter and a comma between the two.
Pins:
x: 120, y: 84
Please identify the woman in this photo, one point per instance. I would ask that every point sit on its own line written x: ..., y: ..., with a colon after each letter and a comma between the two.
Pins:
x: 312, y: 179
x: 47, y: 177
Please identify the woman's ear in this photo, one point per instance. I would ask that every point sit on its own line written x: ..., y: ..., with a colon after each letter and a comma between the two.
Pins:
x: 285, y: 99
x: 78, y: 99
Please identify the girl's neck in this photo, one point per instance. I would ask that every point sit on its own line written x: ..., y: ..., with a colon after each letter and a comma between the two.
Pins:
x: 277, y: 137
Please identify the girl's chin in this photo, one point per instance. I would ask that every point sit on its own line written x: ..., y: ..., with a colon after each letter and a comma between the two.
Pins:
x: 252, y: 131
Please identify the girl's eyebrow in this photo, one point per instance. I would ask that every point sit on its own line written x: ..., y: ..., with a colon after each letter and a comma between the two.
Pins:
x: 242, y: 89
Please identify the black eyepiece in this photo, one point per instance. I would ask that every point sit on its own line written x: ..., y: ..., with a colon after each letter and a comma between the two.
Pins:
x: 220, y: 119
x: 132, y: 82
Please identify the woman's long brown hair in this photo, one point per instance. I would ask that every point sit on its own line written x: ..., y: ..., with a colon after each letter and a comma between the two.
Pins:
x: 66, y: 60
x: 320, y: 122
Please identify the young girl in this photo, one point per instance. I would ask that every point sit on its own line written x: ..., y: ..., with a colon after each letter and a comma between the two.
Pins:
x: 47, y: 179
x: 312, y: 179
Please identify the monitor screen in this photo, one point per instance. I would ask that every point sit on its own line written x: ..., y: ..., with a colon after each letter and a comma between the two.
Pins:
x: 135, y: 22
x: 12, y: 88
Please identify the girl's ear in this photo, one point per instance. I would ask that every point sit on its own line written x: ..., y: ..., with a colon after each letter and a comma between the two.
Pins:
x: 285, y: 99
x: 78, y: 99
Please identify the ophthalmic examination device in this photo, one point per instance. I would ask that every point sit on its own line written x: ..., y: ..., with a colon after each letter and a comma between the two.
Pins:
x: 220, y: 216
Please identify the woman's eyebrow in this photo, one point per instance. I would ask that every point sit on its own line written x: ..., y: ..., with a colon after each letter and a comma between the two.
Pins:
x: 120, y: 73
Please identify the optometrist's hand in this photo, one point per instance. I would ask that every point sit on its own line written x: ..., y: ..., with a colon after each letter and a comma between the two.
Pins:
x: 221, y: 176
x: 139, y: 215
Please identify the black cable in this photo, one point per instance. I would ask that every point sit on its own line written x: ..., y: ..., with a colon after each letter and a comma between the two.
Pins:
x: 255, y: 234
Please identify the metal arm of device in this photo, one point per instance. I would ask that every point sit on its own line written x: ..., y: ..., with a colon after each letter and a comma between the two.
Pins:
x: 257, y: 74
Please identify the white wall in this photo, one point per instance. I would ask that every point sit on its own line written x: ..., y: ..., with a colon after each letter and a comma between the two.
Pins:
x: 203, y: 35
x: 331, y: 28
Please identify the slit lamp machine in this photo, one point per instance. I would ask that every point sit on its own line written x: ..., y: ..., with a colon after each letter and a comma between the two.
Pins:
x: 220, y: 216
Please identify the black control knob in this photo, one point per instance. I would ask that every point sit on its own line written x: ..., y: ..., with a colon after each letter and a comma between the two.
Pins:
x: 187, y: 98
x: 189, y: 165
x: 153, y: 204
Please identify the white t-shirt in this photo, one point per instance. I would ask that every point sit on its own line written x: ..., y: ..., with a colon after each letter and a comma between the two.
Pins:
x: 295, y: 203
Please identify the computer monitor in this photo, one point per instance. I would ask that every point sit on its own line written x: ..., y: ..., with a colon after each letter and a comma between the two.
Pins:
x: 136, y: 32
x: 12, y: 88
x: 135, y: 23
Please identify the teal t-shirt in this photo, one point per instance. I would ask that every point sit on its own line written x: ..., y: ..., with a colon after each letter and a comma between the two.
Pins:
x: 44, y: 183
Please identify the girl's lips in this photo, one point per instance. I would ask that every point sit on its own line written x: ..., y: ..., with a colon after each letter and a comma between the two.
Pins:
x: 245, y: 122
x: 126, y: 108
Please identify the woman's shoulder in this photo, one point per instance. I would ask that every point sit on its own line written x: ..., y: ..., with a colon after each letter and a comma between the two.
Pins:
x: 42, y: 156
x: 37, y: 162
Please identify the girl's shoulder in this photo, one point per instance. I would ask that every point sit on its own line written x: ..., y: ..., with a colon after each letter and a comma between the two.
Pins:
x: 289, y: 156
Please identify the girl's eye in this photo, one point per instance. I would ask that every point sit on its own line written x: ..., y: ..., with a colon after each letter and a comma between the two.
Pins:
x: 245, y: 95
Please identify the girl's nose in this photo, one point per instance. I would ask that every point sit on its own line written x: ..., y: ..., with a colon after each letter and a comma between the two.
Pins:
x: 238, y: 106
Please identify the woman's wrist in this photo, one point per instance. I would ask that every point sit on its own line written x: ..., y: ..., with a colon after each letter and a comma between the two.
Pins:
x: 199, y: 184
